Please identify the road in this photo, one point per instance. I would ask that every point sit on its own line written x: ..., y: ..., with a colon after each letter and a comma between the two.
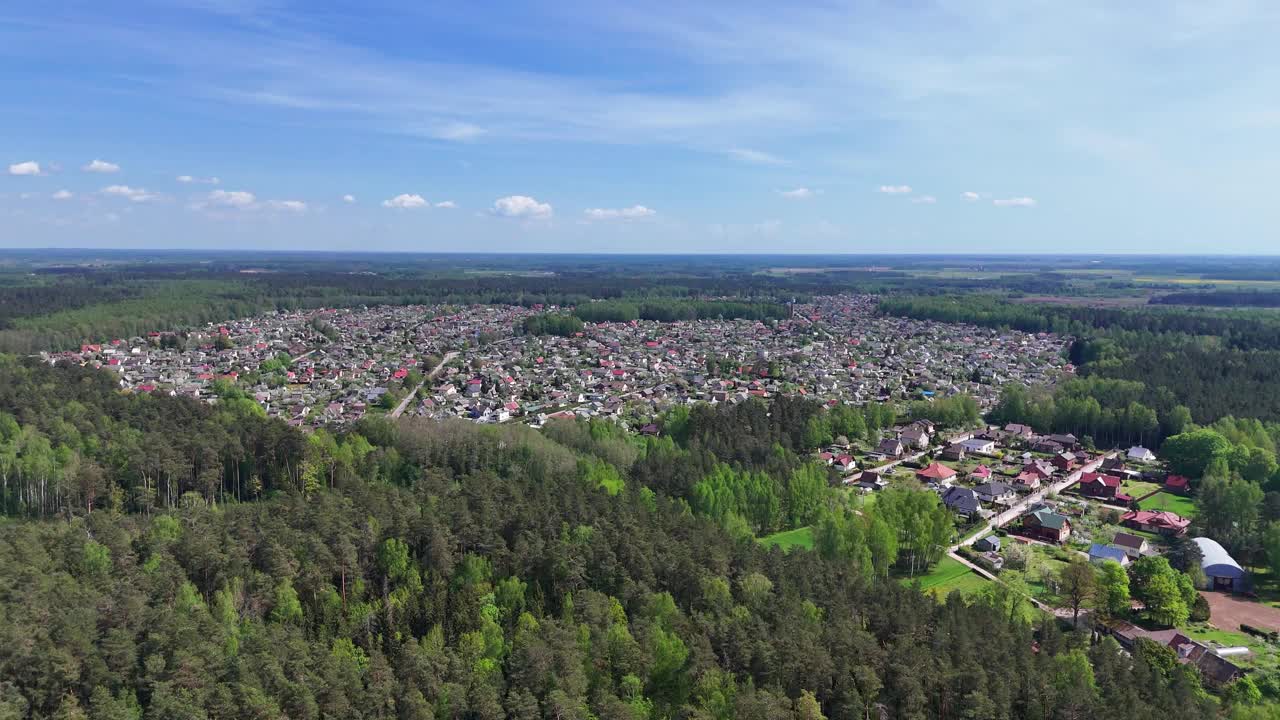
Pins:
x: 1016, y: 510
x: 430, y: 376
x: 889, y: 466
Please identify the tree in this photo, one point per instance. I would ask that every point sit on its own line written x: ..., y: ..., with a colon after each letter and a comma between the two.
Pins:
x: 1230, y: 512
x: 1077, y: 584
x: 1112, y: 595
x: 1192, y: 452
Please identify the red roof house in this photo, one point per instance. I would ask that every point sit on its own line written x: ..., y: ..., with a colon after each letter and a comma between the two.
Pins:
x: 935, y: 472
x: 1157, y: 521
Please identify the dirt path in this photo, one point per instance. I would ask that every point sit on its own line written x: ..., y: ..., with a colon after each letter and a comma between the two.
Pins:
x: 1228, y: 612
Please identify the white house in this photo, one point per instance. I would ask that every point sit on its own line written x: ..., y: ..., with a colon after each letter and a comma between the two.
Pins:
x: 979, y: 446
x: 1140, y: 454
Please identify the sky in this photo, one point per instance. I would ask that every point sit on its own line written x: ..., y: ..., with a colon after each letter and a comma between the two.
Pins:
x: 968, y: 126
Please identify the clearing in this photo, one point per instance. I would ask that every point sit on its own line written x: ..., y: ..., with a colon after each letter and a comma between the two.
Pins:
x: 788, y: 539
x: 1183, y: 506
x: 1139, y: 488
x: 1228, y: 612
x: 949, y: 574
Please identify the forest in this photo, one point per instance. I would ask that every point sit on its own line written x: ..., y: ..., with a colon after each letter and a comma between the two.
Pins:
x: 418, y: 569
x: 1214, y: 363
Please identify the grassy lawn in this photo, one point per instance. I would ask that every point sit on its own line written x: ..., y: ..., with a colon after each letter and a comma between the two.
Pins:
x: 1138, y: 488
x: 949, y: 574
x: 798, y: 538
x: 1184, y: 506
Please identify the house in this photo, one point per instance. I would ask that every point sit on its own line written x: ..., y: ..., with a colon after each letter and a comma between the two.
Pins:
x: 979, y: 446
x: 962, y: 501
x: 981, y: 474
x: 1140, y: 454
x: 1045, y: 445
x: 995, y: 492
x: 990, y: 543
x: 1177, y: 484
x: 936, y: 474
x: 1028, y: 479
x: 872, y: 482
x: 1064, y: 461
x: 845, y: 464
x: 1099, y: 554
x: 1133, y: 545
x: 916, y: 437
x: 1098, y: 485
x: 1068, y: 441
x: 1220, y: 569
x: 1047, y: 525
x: 890, y: 447
x: 1161, y: 521
x: 1215, y: 669
x: 1018, y: 430
x: 955, y: 452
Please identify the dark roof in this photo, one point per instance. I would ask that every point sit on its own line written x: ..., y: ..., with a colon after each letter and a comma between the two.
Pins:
x: 1049, y: 519
x: 1124, y: 539
x: 961, y: 499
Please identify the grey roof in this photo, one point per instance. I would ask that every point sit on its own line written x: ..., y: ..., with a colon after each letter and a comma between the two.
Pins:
x: 1217, y: 562
x: 1106, y: 552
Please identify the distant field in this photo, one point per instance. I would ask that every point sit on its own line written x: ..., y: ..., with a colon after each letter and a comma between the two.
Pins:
x: 1084, y: 301
x: 1184, y: 280
x: 1184, y: 506
x: 798, y: 538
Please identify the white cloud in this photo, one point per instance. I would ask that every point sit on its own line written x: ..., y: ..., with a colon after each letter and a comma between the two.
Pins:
x: 30, y: 167
x: 970, y: 195
x: 799, y: 193
x: 447, y: 204
x: 1014, y: 202
x: 924, y: 200
x: 756, y: 157
x: 406, y: 201
x: 297, y: 206
x: 129, y: 193
x: 231, y: 199
x: 63, y: 195
x: 101, y: 166
x: 522, y: 207
x: 631, y: 213
x: 348, y: 198
x: 459, y: 132
x: 895, y: 189
x: 192, y: 180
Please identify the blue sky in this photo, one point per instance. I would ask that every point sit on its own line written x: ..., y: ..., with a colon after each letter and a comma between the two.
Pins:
x: 904, y: 126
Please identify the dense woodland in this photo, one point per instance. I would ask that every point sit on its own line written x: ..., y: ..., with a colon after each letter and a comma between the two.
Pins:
x: 1214, y: 363
x: 487, y: 572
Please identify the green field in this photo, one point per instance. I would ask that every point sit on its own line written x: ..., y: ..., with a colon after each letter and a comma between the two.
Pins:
x: 1138, y: 488
x: 1184, y: 506
x: 798, y: 538
x: 948, y: 575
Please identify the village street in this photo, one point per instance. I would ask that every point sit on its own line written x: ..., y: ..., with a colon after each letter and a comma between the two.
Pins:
x: 431, y: 376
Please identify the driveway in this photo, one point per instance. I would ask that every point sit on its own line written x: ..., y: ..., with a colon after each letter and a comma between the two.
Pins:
x: 1229, y: 611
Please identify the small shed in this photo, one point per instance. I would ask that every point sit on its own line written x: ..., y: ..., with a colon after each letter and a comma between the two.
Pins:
x: 990, y: 543
x: 1221, y: 570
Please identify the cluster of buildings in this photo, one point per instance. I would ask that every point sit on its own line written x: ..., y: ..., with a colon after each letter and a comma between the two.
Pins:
x: 339, y: 363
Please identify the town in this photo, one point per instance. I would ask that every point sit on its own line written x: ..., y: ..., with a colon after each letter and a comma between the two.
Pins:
x: 334, y: 366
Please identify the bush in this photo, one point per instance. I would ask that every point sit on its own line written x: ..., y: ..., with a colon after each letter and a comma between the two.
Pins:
x: 1269, y: 635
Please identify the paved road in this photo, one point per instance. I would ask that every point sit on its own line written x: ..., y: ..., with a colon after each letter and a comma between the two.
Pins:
x: 430, y: 376
x: 1016, y: 510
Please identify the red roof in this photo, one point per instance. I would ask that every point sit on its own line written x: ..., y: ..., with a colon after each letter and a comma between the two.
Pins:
x: 1176, y: 481
x: 1157, y: 518
x: 936, y: 471
x: 1092, y: 477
